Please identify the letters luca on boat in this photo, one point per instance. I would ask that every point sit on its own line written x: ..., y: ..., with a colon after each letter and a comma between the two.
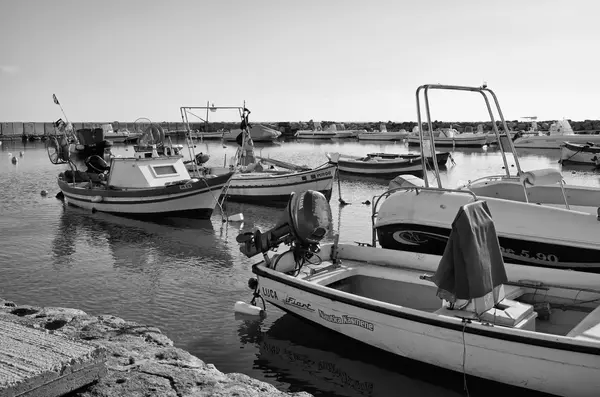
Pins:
x: 344, y: 319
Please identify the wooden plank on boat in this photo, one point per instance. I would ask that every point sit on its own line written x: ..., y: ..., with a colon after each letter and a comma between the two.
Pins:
x: 35, y: 363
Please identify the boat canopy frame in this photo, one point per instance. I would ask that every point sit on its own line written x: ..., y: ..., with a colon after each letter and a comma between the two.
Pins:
x: 485, y: 93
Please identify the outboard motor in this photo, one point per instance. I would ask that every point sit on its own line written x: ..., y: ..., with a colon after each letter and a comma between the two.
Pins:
x: 96, y: 164
x: 202, y: 158
x: 306, y: 221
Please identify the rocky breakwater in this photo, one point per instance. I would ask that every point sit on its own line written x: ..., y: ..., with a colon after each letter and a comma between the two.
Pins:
x: 140, y: 360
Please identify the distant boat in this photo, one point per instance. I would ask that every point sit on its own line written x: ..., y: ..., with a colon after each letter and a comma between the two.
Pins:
x: 122, y: 135
x: 316, y: 133
x: 258, y: 133
x: 450, y: 137
x: 206, y: 135
x: 341, y: 131
x: 383, y: 135
x: 577, y: 153
x: 559, y: 133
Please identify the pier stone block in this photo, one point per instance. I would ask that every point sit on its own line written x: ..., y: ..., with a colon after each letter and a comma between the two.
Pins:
x: 77, y: 126
x: 28, y: 129
x: 48, y: 128
x: 37, y: 363
x: 7, y: 129
x: 38, y: 129
x: 17, y: 128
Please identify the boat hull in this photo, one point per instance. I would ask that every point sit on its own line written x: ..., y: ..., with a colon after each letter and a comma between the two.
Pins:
x: 554, y: 141
x: 382, y: 136
x: 458, y: 141
x: 573, y: 153
x: 514, y: 357
x: 384, y: 168
x: 258, y: 133
x: 194, y: 199
x: 529, y: 234
x: 315, y: 135
x: 276, y: 189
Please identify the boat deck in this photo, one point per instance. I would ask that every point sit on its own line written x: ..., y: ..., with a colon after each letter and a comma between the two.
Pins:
x: 559, y: 312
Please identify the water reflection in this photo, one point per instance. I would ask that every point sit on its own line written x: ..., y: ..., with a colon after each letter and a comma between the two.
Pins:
x: 135, y: 244
x: 318, y: 361
x: 324, y: 363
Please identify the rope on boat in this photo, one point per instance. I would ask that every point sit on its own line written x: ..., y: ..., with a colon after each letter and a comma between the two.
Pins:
x: 464, y: 359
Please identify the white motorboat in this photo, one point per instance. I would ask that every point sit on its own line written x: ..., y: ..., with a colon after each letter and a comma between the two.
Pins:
x: 383, y: 135
x: 545, y: 186
x: 534, y: 328
x: 263, y: 180
x: 147, y: 184
x: 206, y: 135
x: 122, y: 135
x: 420, y: 219
x: 316, y: 133
x: 580, y: 153
x: 450, y: 137
x: 559, y: 133
x: 258, y: 132
x: 341, y: 131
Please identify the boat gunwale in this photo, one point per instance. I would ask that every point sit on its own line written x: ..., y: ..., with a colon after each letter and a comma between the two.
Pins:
x: 531, y: 338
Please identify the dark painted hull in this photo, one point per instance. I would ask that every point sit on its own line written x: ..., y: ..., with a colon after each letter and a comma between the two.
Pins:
x: 272, y: 200
x: 432, y: 240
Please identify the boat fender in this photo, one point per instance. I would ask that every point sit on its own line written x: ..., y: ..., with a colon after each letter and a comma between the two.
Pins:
x: 247, y: 308
x: 97, y: 199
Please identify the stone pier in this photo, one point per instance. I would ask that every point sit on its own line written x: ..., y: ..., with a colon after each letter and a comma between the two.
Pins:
x: 139, y: 360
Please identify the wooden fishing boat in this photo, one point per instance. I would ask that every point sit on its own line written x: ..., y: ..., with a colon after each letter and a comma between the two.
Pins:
x: 374, y: 165
x: 143, y: 185
x: 262, y: 180
x: 465, y: 311
x: 580, y: 153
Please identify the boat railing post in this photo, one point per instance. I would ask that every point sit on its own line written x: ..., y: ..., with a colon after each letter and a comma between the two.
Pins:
x: 510, y: 142
x: 431, y: 138
x: 420, y: 131
x: 495, y: 129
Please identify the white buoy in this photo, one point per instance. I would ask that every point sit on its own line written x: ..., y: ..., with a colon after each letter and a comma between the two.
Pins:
x: 9, y: 154
x: 246, y: 308
x: 21, y: 153
x: 236, y: 217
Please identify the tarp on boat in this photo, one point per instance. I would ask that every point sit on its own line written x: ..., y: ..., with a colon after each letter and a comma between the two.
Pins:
x: 472, y: 265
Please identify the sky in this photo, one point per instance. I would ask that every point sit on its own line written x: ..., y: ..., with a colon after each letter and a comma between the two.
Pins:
x: 337, y: 60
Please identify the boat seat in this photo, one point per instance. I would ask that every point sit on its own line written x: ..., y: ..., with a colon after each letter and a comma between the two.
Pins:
x: 507, y: 313
x: 588, y: 328
x: 545, y: 176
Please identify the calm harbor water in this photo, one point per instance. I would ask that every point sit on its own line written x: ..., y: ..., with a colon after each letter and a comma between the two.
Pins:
x: 185, y: 275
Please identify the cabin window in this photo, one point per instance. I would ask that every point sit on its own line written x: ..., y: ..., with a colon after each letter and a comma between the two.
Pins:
x: 164, y: 170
